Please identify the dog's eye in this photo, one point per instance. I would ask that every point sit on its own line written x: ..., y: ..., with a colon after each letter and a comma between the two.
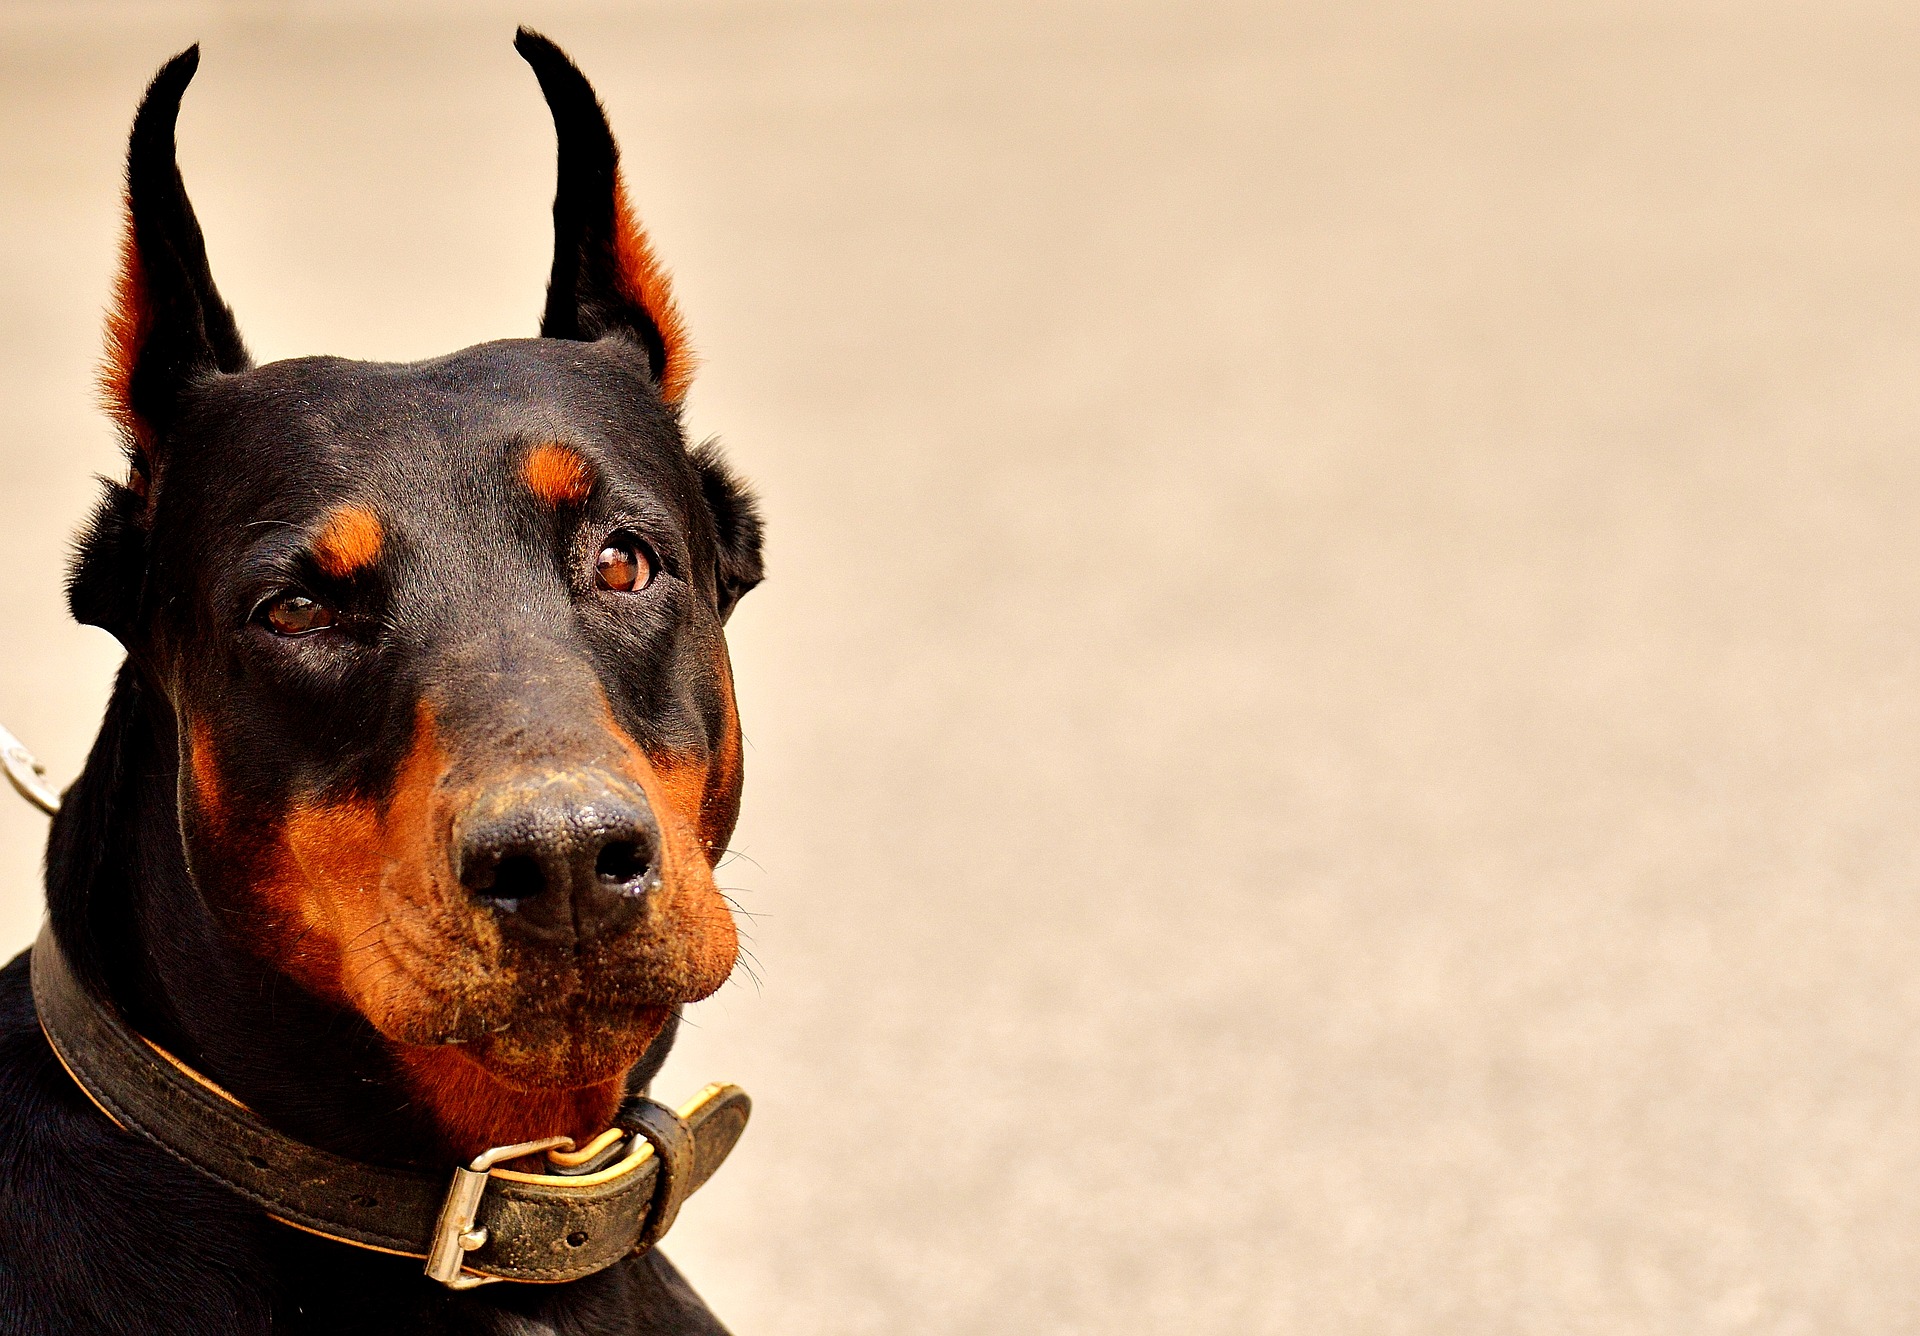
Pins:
x: 622, y: 566
x: 296, y: 614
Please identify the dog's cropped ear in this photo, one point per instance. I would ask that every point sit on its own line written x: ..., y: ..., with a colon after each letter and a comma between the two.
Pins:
x: 166, y: 331
x: 168, y: 327
x: 606, y: 279
x: 737, y: 531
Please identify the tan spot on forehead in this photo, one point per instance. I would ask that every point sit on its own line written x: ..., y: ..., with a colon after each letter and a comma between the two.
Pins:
x: 556, y: 474
x: 348, y: 542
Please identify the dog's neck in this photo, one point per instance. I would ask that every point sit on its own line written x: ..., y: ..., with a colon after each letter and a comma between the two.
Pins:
x: 137, y: 929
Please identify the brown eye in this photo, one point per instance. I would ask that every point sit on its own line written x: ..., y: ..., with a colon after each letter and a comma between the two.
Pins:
x: 622, y: 566
x: 296, y: 614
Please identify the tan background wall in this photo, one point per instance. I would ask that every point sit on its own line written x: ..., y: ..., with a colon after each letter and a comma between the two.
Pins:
x: 1333, y: 731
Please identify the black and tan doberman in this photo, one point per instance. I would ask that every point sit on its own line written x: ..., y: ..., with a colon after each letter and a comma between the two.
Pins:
x: 397, y: 841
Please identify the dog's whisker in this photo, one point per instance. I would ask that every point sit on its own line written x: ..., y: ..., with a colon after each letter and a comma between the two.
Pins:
x: 355, y: 944
x: 728, y: 855
x: 740, y: 909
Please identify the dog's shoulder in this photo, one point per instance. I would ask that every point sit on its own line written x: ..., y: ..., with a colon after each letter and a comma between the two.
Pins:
x: 100, y: 1231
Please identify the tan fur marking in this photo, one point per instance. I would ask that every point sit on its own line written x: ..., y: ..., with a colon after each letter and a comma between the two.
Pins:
x: 206, y: 772
x: 557, y: 475
x: 706, y: 942
x: 334, y: 876
x: 129, y: 322
x: 349, y: 541
x: 474, y: 1111
x: 645, y: 282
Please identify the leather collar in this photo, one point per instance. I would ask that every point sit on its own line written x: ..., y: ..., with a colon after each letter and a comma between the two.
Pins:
x: 489, y: 1224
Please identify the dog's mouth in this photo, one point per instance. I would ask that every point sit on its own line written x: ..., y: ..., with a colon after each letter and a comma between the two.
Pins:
x: 499, y: 1037
x: 535, y: 1011
x: 566, y: 1050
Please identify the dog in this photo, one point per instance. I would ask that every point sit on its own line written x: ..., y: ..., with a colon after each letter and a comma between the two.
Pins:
x: 399, y: 832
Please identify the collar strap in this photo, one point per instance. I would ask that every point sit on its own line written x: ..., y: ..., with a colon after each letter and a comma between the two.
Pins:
x: 489, y: 1224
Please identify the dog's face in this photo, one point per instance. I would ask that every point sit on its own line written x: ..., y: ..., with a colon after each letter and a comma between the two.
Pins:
x: 443, y: 641
x: 458, y: 742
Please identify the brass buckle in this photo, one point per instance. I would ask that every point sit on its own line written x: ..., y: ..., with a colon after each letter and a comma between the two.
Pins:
x: 453, y: 1234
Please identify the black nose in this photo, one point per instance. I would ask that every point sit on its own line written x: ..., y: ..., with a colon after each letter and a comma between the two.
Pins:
x: 561, y: 858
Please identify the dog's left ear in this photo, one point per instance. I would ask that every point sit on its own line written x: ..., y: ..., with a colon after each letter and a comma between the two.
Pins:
x: 606, y: 279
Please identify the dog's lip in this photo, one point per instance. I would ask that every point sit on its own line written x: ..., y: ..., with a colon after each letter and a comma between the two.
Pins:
x: 472, y: 994
x: 476, y: 1021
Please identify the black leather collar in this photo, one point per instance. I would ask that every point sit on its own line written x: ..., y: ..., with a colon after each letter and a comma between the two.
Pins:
x: 489, y: 1224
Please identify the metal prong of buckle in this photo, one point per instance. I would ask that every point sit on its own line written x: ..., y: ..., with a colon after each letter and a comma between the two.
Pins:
x: 453, y: 1234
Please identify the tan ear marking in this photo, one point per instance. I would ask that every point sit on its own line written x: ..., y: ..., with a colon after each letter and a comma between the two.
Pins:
x: 129, y: 322
x: 646, y: 284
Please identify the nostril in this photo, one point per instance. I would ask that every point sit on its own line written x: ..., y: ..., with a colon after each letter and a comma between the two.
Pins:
x: 623, y: 862
x: 516, y: 877
x: 558, y: 859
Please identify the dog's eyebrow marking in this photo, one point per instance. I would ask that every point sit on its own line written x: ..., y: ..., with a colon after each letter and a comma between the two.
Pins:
x: 348, y: 542
x: 557, y: 475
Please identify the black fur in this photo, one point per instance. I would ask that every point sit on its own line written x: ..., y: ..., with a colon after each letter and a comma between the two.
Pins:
x: 736, y: 525
x: 110, y: 561
x: 476, y: 605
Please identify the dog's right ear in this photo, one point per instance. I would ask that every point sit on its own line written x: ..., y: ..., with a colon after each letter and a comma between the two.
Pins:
x: 167, y: 330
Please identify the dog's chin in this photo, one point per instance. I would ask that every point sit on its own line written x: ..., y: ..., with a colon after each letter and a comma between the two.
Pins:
x: 523, y: 1042
x: 567, y: 1051
x: 531, y: 1021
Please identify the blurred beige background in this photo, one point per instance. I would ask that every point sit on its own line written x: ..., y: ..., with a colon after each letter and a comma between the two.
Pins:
x: 1333, y: 734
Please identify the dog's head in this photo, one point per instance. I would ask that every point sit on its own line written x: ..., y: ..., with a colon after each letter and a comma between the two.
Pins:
x: 443, y: 641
